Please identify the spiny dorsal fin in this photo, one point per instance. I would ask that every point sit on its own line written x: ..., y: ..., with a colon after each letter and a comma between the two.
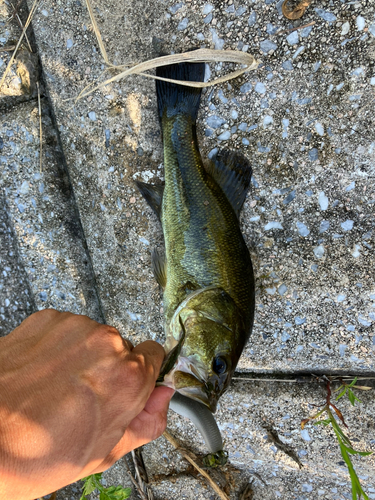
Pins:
x: 159, y: 267
x: 233, y: 173
x: 153, y: 194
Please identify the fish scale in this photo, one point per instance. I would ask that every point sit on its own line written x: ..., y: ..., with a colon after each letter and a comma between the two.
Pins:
x: 207, y: 273
x: 202, y: 235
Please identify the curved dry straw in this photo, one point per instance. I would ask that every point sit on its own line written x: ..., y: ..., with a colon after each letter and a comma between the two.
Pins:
x: 247, y: 61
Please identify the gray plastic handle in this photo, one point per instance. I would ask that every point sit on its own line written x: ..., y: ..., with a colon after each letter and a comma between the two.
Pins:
x: 201, y: 417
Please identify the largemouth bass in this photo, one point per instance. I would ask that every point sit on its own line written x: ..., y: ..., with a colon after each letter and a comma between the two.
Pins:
x: 206, y: 272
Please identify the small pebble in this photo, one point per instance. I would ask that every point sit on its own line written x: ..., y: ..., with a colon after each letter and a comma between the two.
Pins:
x: 273, y: 225
x: 305, y: 435
x: 224, y: 136
x: 92, y: 115
x: 319, y: 128
x: 246, y: 87
x: 260, y: 88
x: 324, y: 226
x: 215, y: 121
x: 251, y: 21
x: 267, y: 120
x: 319, y: 251
x: 267, y: 46
x: 207, y: 9
x: 293, y: 38
x: 345, y: 28
x: 287, y: 65
x: 302, y: 229
x: 313, y: 154
x: 323, y: 201
x: 327, y: 16
x: 360, y: 22
x: 347, y: 225
x: 182, y: 25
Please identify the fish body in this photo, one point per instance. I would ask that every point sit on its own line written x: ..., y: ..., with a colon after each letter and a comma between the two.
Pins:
x: 206, y: 273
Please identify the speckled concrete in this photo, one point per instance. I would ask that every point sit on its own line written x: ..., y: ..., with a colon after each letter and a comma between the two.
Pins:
x: 43, y: 219
x: 305, y: 121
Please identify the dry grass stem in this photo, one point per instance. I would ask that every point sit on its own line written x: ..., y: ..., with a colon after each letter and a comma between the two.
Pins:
x: 28, y: 21
x: 281, y: 32
x: 200, y: 55
x: 293, y: 381
x: 7, y: 49
x: 97, y: 32
x: 40, y: 130
x: 213, y: 485
x: 133, y: 480
x: 15, y: 14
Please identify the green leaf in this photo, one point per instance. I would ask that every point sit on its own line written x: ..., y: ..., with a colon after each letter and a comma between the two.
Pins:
x: 352, y: 451
x: 356, y: 485
x: 325, y: 422
x: 342, y: 438
x: 91, y: 483
x: 353, y: 397
x: 342, y: 393
x: 353, y: 382
x: 115, y: 493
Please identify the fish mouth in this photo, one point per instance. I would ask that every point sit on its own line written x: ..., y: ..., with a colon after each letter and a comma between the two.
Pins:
x: 202, y: 395
x: 190, y: 381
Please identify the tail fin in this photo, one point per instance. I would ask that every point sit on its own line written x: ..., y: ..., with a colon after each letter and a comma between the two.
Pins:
x: 179, y: 98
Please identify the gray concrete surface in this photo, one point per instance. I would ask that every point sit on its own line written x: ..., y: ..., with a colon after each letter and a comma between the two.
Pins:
x: 305, y: 121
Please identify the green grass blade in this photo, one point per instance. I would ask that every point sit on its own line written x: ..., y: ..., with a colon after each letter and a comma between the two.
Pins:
x: 342, y: 393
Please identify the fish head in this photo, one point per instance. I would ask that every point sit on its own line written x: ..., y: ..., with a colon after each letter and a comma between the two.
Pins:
x: 213, y: 333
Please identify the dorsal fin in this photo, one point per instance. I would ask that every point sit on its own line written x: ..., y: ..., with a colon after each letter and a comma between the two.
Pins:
x: 159, y: 267
x: 233, y: 173
x: 153, y: 194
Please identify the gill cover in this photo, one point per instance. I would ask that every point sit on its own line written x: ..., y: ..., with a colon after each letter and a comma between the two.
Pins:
x: 206, y: 331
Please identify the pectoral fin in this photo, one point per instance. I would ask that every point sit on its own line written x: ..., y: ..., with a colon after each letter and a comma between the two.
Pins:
x: 153, y: 194
x: 171, y: 357
x: 233, y: 173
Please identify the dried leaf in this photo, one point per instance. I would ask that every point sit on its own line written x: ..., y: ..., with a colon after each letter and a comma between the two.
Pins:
x: 339, y: 414
x: 297, y: 12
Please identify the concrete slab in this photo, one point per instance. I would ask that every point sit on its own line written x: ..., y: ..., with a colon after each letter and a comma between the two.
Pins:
x: 242, y: 414
x: 304, y: 121
x: 41, y: 208
x: 16, y: 299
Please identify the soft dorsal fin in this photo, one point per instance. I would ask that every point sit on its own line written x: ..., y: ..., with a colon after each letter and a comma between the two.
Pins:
x: 233, y: 173
x: 153, y: 194
x: 159, y: 267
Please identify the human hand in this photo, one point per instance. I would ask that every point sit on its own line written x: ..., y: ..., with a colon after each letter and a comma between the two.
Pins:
x: 74, y: 398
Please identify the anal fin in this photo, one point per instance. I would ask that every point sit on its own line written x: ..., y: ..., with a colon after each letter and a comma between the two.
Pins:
x: 159, y: 268
x: 232, y: 172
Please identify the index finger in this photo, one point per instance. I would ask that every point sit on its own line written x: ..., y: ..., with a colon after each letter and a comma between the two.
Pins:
x: 152, y: 353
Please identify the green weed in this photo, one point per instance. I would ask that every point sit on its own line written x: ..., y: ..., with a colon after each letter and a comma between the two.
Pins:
x: 346, y: 447
x: 93, y: 482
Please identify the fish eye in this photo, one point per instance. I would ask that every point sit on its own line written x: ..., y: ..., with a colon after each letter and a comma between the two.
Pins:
x: 219, y: 365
